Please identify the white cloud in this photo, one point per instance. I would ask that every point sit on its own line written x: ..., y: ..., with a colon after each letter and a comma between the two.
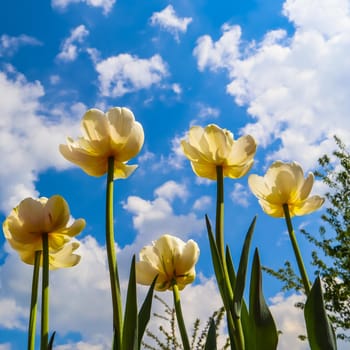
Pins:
x: 295, y: 87
x: 202, y: 203
x: 29, y: 136
x: 289, y: 320
x: 5, y: 346
x: 106, y: 5
x: 176, y: 88
x: 240, y: 195
x: 220, y: 54
x: 169, y: 21
x: 10, y: 44
x: 207, y: 112
x: 125, y: 73
x: 170, y: 190
x: 153, y: 218
x: 69, y: 51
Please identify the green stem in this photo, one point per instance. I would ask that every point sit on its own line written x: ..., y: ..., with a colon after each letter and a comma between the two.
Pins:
x: 302, y: 270
x: 179, y: 316
x: 234, y: 323
x: 112, y: 260
x: 33, y: 302
x: 45, y: 295
x: 219, y: 225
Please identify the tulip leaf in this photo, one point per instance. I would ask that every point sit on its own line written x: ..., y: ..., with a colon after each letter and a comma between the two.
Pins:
x: 244, y: 309
x: 145, y: 312
x: 230, y: 268
x: 242, y: 271
x: 130, y: 327
x: 52, y: 338
x: 263, y: 333
x: 218, y: 268
x: 210, y: 343
x: 319, y: 329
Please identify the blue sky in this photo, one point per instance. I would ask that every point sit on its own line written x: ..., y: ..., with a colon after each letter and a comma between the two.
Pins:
x: 278, y: 70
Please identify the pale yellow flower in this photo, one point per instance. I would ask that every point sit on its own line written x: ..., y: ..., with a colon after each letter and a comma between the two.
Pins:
x: 171, y: 259
x: 113, y: 134
x: 212, y: 146
x: 32, y: 218
x: 284, y: 183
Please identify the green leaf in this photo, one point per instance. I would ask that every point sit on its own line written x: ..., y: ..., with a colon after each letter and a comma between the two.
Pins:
x: 145, y: 312
x: 52, y: 338
x: 263, y: 335
x: 210, y: 343
x: 242, y: 271
x: 319, y: 329
x: 232, y: 277
x: 130, y: 328
x: 230, y: 268
x: 220, y: 278
x: 218, y: 268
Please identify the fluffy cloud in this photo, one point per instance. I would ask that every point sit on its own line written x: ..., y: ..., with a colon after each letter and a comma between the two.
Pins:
x: 70, y: 49
x: 106, y: 5
x: 220, y: 54
x: 202, y: 203
x: 152, y: 218
x: 169, y: 21
x: 240, y: 195
x: 295, y: 86
x: 25, y: 127
x: 10, y: 44
x: 171, y: 190
x: 125, y: 73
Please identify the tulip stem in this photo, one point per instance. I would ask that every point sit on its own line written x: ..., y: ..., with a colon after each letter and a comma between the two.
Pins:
x: 302, y: 270
x: 179, y: 316
x: 112, y: 260
x: 45, y: 294
x: 234, y: 323
x: 219, y: 225
x: 33, y: 302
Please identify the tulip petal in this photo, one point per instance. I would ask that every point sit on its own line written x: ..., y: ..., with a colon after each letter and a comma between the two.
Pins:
x: 206, y: 170
x: 71, y: 231
x: 145, y: 272
x: 93, y: 165
x: 56, y: 213
x: 31, y: 213
x: 308, y: 206
x: 65, y: 257
x: 242, y: 150
x: 218, y: 142
x: 132, y: 145
x: 188, y: 258
x: 95, y: 126
x: 306, y: 187
x: 235, y: 172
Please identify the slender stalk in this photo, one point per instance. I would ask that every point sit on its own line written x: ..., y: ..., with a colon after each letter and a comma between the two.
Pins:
x: 234, y: 323
x: 219, y: 224
x: 34, y: 301
x: 45, y: 295
x: 179, y: 316
x: 293, y: 239
x: 112, y: 260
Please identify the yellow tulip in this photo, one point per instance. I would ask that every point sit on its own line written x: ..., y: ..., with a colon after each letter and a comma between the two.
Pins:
x: 284, y: 183
x: 113, y: 134
x: 212, y: 146
x: 33, y: 218
x: 171, y: 259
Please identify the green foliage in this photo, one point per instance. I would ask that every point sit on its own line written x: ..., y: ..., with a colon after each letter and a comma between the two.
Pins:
x: 319, y: 329
x: 332, y: 258
x: 167, y: 339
